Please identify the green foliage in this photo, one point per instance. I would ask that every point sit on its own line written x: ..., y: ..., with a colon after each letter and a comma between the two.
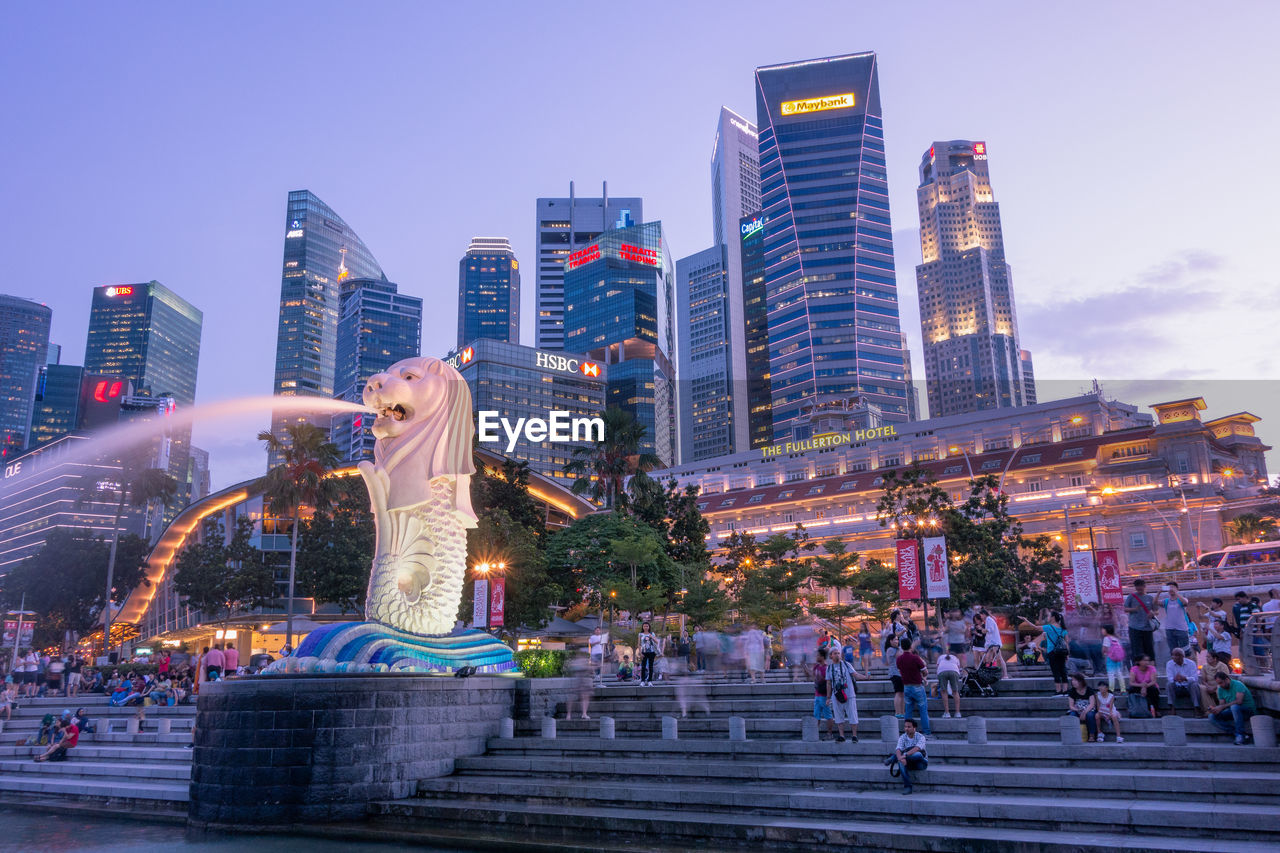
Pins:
x: 529, y: 590
x: 507, y: 488
x: 219, y: 575
x: 65, y: 581
x: 835, y: 570
x: 1252, y: 527
x: 335, y: 547
x: 768, y: 589
x: 673, y: 514
x: 705, y: 603
x: 875, y: 588
x: 602, y: 467
x: 541, y: 663
x: 582, y: 557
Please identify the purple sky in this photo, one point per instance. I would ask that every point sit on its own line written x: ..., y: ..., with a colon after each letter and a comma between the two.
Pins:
x: 1128, y: 151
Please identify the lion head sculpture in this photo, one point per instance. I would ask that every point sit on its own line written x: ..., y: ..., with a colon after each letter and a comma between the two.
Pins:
x: 423, y: 430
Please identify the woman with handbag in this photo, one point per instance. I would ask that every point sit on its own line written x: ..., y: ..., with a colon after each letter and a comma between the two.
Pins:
x: 1053, y: 640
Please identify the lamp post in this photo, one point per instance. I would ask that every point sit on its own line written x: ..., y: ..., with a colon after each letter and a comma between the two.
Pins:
x: 955, y: 448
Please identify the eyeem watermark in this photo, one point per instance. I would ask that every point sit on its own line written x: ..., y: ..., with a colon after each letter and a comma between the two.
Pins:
x: 560, y: 426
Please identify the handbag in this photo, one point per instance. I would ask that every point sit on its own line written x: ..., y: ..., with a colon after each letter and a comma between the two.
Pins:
x: 1155, y: 623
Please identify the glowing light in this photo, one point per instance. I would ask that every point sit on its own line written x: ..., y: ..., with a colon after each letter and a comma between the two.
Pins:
x: 583, y: 256
x: 107, y: 390
x: 814, y: 105
x: 1077, y: 419
x: 296, y: 232
x: 638, y: 254
x: 119, y: 291
x: 590, y: 369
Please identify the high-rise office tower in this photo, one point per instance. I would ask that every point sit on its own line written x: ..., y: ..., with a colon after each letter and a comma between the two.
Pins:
x: 565, y: 225
x: 24, y: 348
x: 712, y: 386
x: 972, y: 360
x: 620, y: 309
x: 755, y: 319
x: 835, y: 340
x: 57, y: 407
x: 489, y: 292
x: 320, y: 253
x: 378, y: 327
x: 1028, y: 378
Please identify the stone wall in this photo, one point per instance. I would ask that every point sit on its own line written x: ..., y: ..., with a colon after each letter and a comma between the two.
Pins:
x: 290, y: 749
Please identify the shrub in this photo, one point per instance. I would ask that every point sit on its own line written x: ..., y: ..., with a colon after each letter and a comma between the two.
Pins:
x: 541, y: 663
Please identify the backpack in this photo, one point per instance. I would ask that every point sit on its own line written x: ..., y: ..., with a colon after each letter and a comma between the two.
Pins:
x: 1115, y: 651
x: 1137, y: 707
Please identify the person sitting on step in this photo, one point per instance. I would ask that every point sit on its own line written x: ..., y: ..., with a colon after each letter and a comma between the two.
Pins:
x: 1105, y: 701
x: 625, y: 669
x: 910, y: 753
x: 1142, y: 680
x: 67, y: 736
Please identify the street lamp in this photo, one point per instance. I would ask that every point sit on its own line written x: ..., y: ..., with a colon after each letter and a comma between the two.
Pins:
x: 958, y: 449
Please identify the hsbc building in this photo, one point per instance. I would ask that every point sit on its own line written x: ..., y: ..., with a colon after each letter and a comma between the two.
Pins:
x: 526, y: 382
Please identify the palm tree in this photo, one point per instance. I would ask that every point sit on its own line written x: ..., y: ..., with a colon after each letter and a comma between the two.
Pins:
x: 301, y: 479
x: 139, y: 490
x: 1251, y: 527
x: 603, y: 466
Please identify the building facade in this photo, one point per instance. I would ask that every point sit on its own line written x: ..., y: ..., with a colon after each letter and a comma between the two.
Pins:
x: 712, y: 393
x: 619, y: 295
x: 564, y: 226
x: 377, y: 327
x: 524, y: 382
x: 24, y: 349
x: 489, y: 292
x: 1085, y: 469
x: 68, y: 399
x: 320, y: 253
x: 755, y: 321
x: 972, y: 356
x: 834, y: 329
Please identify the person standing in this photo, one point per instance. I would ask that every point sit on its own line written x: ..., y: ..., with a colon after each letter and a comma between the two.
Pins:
x: 993, y: 641
x: 1142, y: 621
x: 683, y: 649
x: 865, y: 647
x: 1054, y: 641
x: 753, y: 643
x: 891, y: 651
x: 595, y: 653
x: 74, y: 668
x: 214, y: 662
x: 957, y: 636
x: 1176, y: 619
x: 821, y: 705
x: 910, y: 753
x: 231, y: 659
x: 915, y: 676
x: 648, y: 643
x: 842, y: 695
x: 1241, y: 611
x: 949, y: 682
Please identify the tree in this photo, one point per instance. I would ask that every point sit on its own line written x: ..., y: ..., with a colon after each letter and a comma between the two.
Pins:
x: 875, y: 587
x: 530, y: 592
x: 704, y: 602
x: 673, y: 514
x: 1251, y: 527
x: 139, y: 488
x: 602, y: 467
x: 769, y: 590
x: 220, y: 575
x: 507, y: 488
x: 581, y: 558
x: 835, y: 571
x: 335, y: 547
x: 64, y: 581
x: 301, y: 479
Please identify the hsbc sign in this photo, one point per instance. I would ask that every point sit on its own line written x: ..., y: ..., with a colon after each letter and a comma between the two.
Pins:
x: 565, y: 364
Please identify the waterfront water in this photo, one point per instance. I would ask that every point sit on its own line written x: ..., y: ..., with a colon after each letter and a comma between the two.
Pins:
x: 68, y: 832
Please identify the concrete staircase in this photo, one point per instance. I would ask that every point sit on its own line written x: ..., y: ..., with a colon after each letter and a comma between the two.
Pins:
x: 110, y: 768
x: 1023, y: 790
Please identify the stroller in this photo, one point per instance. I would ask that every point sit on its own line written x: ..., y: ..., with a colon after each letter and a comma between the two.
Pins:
x: 980, y: 681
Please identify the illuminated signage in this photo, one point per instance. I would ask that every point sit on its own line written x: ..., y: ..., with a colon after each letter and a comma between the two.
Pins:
x: 742, y: 127
x: 639, y: 254
x: 584, y: 256
x: 296, y: 232
x: 107, y: 390
x: 565, y: 364
x: 468, y: 354
x: 979, y: 150
x: 815, y: 105
x: 119, y: 291
x: 12, y: 470
x: 749, y: 228
x: 831, y: 439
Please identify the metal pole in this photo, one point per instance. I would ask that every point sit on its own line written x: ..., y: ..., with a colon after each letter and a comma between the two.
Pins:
x: 22, y: 608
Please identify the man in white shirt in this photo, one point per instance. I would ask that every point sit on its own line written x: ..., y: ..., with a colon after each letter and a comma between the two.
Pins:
x: 1272, y: 604
x: 596, y: 645
x: 994, y: 639
x: 1181, y: 675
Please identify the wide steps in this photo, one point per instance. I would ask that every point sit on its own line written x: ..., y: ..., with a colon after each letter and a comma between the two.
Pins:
x: 75, y: 766
x: 118, y: 789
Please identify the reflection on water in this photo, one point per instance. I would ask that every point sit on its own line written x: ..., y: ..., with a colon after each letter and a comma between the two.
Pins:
x: 68, y: 832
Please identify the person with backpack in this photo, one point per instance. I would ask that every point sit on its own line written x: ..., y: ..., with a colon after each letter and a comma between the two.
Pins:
x: 821, y: 704
x: 1053, y: 640
x: 842, y: 695
x: 1114, y: 651
x: 648, y: 643
x: 1142, y: 621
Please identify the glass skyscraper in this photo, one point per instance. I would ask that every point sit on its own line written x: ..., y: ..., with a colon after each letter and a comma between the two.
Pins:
x: 320, y: 253
x: 712, y: 385
x: 619, y: 308
x: 24, y: 347
x: 564, y: 226
x: 972, y: 356
x: 835, y: 338
x: 489, y: 292
x: 755, y: 318
x: 378, y: 327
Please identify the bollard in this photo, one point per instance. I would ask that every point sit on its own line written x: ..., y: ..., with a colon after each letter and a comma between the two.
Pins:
x: 164, y: 726
x: 669, y: 729
x: 809, y: 730
x: 607, y: 728
x: 2, y: 726
x: 1264, y: 730
x: 549, y: 728
x: 738, y: 728
x: 133, y: 726
x: 1174, y: 729
x: 976, y: 730
x: 889, y: 729
x: 1069, y: 729
x: 506, y: 728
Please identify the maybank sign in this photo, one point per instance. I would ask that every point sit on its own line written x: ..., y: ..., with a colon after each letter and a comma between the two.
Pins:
x: 816, y: 105
x: 831, y: 439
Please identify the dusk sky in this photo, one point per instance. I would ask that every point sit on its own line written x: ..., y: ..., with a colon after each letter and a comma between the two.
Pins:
x: 1128, y: 150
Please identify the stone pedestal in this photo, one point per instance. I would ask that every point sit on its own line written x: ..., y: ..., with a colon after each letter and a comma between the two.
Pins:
x: 976, y: 730
x: 1069, y: 730
x: 164, y: 726
x: 309, y: 748
x: 132, y: 726
x: 809, y: 730
x: 506, y: 728
x: 737, y: 728
x: 1264, y: 730
x: 670, y: 730
x: 1174, y: 730
x: 549, y: 728
x: 607, y: 730
x: 889, y: 729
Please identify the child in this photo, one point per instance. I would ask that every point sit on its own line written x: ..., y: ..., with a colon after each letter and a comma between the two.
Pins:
x: 1107, y: 711
x: 1114, y: 651
x: 624, y: 668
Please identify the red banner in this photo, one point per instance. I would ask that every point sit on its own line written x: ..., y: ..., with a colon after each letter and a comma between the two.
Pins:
x: 1109, y: 576
x: 1069, y: 588
x: 908, y: 559
x: 497, y: 601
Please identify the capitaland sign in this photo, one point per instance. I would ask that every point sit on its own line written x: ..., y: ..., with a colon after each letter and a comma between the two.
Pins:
x: 817, y: 105
x: 749, y: 228
x: 831, y: 439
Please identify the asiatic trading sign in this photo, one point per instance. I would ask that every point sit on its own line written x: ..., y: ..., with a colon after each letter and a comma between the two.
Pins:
x: 815, y: 105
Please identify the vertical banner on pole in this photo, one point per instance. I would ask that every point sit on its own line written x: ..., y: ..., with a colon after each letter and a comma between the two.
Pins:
x: 1069, y: 603
x: 936, y: 572
x: 497, y: 601
x: 1086, y: 579
x: 908, y: 559
x: 1109, y: 576
x: 480, y: 604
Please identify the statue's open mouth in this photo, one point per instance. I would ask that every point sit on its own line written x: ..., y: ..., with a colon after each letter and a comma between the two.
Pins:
x: 396, y: 412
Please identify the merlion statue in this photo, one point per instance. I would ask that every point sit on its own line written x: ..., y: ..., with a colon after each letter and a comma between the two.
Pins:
x: 420, y: 493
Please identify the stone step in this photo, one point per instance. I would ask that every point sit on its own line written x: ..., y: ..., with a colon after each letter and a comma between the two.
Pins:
x: 120, y: 789
x: 126, y: 773
x: 131, y: 754
x: 1065, y: 783
x: 664, y: 829
x: 1000, y: 706
x: 36, y: 712
x: 883, y: 802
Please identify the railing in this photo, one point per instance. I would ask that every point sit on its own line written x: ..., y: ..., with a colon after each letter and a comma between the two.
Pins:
x: 1226, y: 577
x: 1260, y: 644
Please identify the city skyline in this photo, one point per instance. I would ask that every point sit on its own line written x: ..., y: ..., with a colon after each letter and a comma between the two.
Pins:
x: 1145, y: 302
